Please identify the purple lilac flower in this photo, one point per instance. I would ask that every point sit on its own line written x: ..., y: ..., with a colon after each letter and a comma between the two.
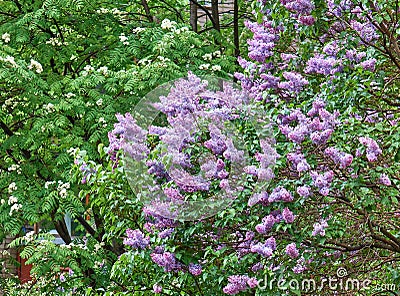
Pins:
x: 263, y: 42
x: 291, y: 251
x: 166, y: 233
x: 339, y: 157
x: 256, y: 267
x: 173, y: 194
x: 280, y: 194
x: 319, y: 64
x: 298, y: 6
x: 136, y: 239
x: 287, y: 215
x: 295, y: 82
x: 307, y: 20
x: 166, y: 260
x: 157, y: 289
x: 238, y: 283
x: 261, y: 249
x: 384, y: 179
x: 298, y: 161
x: 304, y: 191
x: 322, y: 181
x: 368, y: 65
x: 373, y: 150
x: 319, y: 228
x: 195, y: 269
x: 366, y: 31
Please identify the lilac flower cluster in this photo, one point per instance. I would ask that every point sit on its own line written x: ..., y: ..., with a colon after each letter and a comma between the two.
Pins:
x: 322, y: 65
x: 299, y: 162
x: 166, y: 260
x: 384, y: 179
x: 195, y: 269
x: 239, y: 283
x: 129, y: 136
x: 157, y: 289
x: 280, y: 194
x: 318, y: 126
x: 304, y: 191
x: 266, y: 224
x: 291, y: 251
x: 322, y: 181
x: 295, y: 82
x: 265, y: 249
x: 136, y: 239
x: 287, y: 215
x: 366, y: 31
x: 319, y: 228
x: 373, y: 150
x: 339, y: 157
x: 263, y: 42
x: 302, y: 10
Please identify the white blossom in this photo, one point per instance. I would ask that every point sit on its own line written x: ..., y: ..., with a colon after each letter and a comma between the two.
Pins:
x: 99, y: 102
x: 34, y: 65
x: 216, y: 68
x: 6, y: 37
x: 166, y: 24
x: 204, y: 66
x: 103, y: 70
x: 207, y: 57
x: 9, y: 59
x: 12, y: 187
x: 138, y: 30
x: 12, y: 200
x: 70, y: 95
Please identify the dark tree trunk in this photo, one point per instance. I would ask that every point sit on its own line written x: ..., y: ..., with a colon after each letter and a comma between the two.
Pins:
x: 215, y: 14
x: 147, y: 10
x: 193, y: 16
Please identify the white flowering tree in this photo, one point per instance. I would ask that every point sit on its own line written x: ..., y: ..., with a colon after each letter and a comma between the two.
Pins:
x: 66, y: 69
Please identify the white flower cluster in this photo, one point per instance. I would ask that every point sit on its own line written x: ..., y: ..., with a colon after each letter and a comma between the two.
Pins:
x: 12, y: 187
x: 56, y: 42
x: 166, y: 24
x: 103, y: 121
x: 15, y: 167
x: 114, y: 11
x: 34, y: 65
x: 103, y: 70
x: 13, y: 202
x: 62, y: 189
x: 69, y: 95
x: 123, y: 39
x: 216, y: 68
x: 180, y: 30
x: 9, y: 103
x: 99, y: 102
x: 6, y: 37
x: 49, y: 107
x: 138, y: 30
x: 72, y: 151
x: 87, y: 69
x: 207, y: 57
x: 204, y: 66
x: 9, y: 59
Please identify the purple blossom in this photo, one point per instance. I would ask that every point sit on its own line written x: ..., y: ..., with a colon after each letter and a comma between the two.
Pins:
x: 256, y: 267
x: 307, y: 20
x: 322, y: 181
x: 368, y: 65
x: 195, y: 269
x: 298, y: 6
x: 321, y: 65
x: 373, y: 150
x: 339, y: 157
x: 136, y: 239
x: 280, y: 194
x: 263, y: 42
x: 304, y: 191
x: 366, y: 31
x: 295, y: 82
x: 287, y: 215
x: 166, y: 233
x: 157, y: 289
x: 166, y: 260
x: 291, y: 251
x: 319, y: 228
x: 384, y: 179
x: 238, y: 283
